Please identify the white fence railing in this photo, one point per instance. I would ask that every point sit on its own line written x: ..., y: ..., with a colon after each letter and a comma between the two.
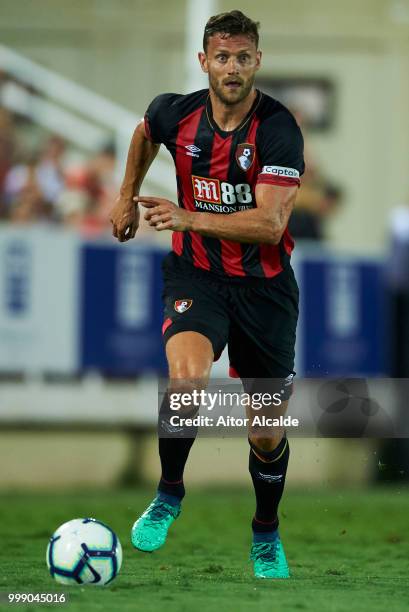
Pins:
x: 74, y: 111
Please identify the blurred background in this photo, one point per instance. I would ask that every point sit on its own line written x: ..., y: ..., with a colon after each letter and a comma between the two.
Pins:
x: 80, y: 315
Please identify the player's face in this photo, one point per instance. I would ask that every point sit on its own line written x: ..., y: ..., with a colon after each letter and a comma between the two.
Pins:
x: 231, y: 63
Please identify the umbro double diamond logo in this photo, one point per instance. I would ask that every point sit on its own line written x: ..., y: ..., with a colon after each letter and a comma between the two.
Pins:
x: 192, y: 150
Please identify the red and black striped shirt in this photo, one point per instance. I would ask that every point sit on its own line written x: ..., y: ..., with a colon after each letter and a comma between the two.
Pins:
x: 217, y: 172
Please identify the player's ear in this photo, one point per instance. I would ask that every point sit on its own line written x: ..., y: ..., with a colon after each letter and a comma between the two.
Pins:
x: 258, y: 59
x: 203, y: 61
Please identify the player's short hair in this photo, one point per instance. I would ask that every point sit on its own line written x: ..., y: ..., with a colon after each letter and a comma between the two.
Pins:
x: 232, y: 23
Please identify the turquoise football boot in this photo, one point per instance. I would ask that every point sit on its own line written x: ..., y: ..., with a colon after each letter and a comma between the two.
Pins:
x: 269, y: 559
x: 150, y: 530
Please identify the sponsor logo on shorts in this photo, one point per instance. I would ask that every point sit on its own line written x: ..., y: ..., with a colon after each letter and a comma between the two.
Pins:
x: 281, y: 171
x: 182, y: 305
x: 206, y: 189
x: 245, y: 155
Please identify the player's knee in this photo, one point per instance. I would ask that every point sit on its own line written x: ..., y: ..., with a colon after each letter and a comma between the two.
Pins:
x: 266, y: 443
x: 189, y: 372
x: 184, y: 395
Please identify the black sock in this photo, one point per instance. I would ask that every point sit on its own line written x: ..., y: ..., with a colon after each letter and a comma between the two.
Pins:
x: 268, y: 479
x: 174, y: 446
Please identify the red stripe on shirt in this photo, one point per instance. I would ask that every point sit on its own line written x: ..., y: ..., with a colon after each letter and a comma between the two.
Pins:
x: 230, y: 251
x: 186, y: 136
x: 288, y: 241
x: 270, y: 259
x: 177, y: 237
x: 177, y: 242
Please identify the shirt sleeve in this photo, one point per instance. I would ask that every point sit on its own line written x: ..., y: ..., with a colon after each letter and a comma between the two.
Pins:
x: 281, y: 150
x: 159, y: 118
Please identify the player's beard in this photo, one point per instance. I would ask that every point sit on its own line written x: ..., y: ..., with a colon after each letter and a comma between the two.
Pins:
x: 243, y: 92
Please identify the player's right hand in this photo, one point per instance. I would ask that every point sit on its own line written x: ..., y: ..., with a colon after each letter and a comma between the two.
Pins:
x: 125, y: 219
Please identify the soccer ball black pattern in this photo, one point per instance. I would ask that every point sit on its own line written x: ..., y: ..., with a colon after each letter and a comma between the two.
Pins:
x: 84, y: 551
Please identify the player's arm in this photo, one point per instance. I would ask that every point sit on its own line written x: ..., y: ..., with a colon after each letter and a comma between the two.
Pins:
x: 125, y: 214
x: 264, y: 224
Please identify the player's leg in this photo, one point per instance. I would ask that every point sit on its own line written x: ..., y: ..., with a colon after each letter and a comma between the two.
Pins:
x: 195, y: 330
x: 261, y: 350
x: 268, y: 462
x: 190, y: 357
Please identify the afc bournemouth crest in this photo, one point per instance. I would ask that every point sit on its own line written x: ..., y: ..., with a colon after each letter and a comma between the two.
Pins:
x: 245, y: 155
x: 182, y: 305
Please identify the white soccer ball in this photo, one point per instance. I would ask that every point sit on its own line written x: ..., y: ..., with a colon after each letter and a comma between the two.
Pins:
x: 84, y: 551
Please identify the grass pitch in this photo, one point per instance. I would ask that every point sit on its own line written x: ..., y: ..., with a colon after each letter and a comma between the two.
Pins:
x: 347, y: 550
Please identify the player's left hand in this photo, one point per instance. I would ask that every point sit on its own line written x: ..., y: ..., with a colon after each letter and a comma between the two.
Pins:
x: 163, y: 214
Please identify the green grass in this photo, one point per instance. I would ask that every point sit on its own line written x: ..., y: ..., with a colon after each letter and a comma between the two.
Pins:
x: 348, y: 550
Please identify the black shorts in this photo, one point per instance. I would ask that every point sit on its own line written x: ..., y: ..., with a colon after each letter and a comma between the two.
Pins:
x: 257, y: 321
